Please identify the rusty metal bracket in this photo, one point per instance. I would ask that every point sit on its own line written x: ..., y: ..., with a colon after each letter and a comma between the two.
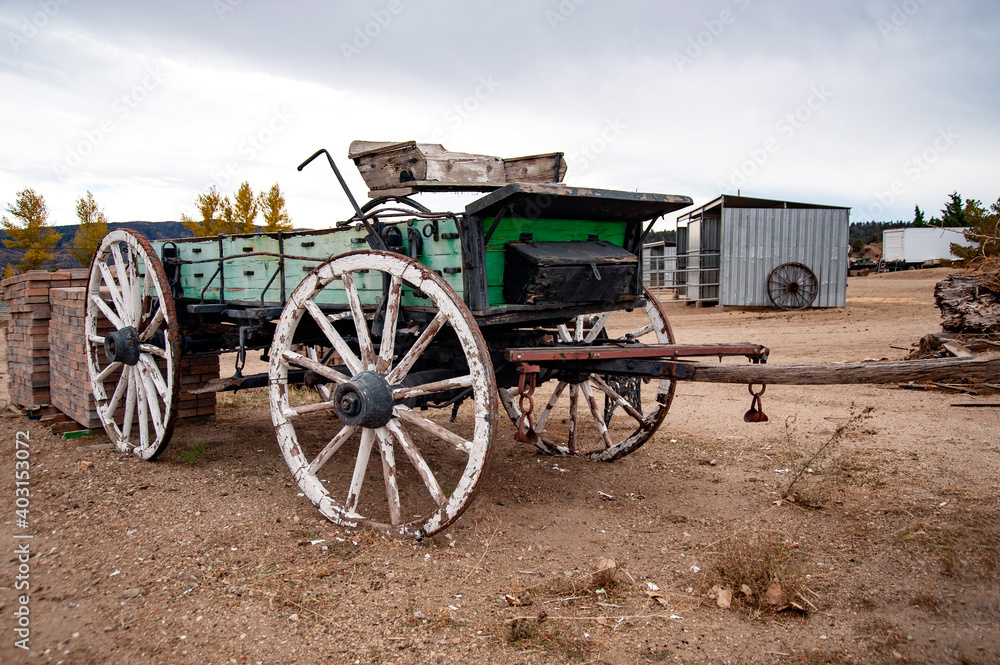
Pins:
x: 527, y: 374
x: 756, y: 413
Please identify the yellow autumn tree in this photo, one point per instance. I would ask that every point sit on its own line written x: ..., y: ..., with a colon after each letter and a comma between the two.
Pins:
x: 92, y: 229
x: 245, y: 209
x: 30, y: 231
x: 210, y: 207
x: 272, y: 203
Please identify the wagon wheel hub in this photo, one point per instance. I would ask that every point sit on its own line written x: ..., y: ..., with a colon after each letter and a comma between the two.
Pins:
x: 122, y: 346
x: 365, y: 400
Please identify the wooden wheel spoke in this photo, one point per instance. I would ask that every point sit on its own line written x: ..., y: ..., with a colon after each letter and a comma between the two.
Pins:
x: 129, y: 405
x: 143, y: 408
x: 322, y: 389
x: 389, y: 476
x: 423, y: 470
x: 598, y: 327
x: 318, y: 407
x: 391, y: 319
x: 578, y: 333
x: 564, y: 333
x: 574, y: 423
x: 116, y: 397
x: 109, y: 281
x: 549, y: 406
x: 360, y: 322
x: 404, y: 366
x: 153, y: 400
x: 639, y: 332
x: 400, y: 394
x: 134, y: 287
x: 602, y: 429
x: 115, y: 320
x: 410, y: 417
x: 335, y: 443
x: 325, y: 371
x: 345, y: 351
x: 122, y: 276
x: 95, y: 339
x: 153, y: 372
x: 360, y: 469
x: 616, y: 398
x: 153, y: 350
x: 153, y: 325
x: 107, y: 371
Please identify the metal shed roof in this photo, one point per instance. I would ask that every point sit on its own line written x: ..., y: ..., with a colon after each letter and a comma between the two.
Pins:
x: 730, y: 201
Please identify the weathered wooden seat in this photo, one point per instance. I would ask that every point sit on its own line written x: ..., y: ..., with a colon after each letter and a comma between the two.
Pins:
x: 401, y: 169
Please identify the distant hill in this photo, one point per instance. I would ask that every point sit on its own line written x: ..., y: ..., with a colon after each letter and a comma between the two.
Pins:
x: 152, y: 230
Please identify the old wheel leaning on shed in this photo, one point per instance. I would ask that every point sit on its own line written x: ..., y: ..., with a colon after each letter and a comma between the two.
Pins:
x: 603, y: 417
x: 792, y: 286
x: 133, y: 344
x: 404, y: 340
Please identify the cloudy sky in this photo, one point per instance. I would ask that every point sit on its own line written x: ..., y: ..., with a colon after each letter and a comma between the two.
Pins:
x: 876, y: 105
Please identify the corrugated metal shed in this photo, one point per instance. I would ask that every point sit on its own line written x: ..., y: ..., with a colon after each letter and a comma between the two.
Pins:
x: 746, y: 238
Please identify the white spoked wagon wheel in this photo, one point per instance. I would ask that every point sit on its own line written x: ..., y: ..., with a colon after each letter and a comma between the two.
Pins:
x: 133, y: 344
x: 420, y: 346
x: 601, y: 416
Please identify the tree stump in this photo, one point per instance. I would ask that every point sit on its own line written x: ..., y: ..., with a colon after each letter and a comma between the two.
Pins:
x: 968, y: 305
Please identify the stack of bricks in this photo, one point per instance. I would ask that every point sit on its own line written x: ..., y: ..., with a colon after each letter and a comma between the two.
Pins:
x: 71, y: 391
x: 27, y: 297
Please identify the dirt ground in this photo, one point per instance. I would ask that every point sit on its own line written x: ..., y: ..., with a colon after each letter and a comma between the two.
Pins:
x: 891, y: 548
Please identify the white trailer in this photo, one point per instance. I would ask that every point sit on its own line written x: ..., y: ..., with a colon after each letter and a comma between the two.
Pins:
x: 920, y: 246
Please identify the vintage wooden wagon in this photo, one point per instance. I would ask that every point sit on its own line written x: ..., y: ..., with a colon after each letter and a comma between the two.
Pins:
x: 403, y: 332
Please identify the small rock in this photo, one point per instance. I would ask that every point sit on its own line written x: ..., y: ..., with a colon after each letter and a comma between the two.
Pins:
x: 746, y: 590
x: 86, y: 465
x: 293, y: 617
x: 131, y: 593
x: 713, y: 462
x: 724, y: 598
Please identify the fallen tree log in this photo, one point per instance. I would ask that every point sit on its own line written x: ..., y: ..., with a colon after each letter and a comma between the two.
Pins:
x: 934, y: 369
x: 967, y: 304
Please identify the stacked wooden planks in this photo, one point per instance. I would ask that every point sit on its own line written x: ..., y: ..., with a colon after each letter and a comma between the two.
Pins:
x: 27, y: 296
x: 71, y: 391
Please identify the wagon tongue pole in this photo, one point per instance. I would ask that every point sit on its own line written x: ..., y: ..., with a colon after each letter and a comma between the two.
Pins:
x: 375, y: 239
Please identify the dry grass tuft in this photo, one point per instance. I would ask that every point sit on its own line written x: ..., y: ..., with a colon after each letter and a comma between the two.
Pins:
x: 752, y: 565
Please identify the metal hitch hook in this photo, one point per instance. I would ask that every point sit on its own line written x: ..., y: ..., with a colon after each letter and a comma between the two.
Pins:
x: 756, y: 413
x: 525, y: 426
